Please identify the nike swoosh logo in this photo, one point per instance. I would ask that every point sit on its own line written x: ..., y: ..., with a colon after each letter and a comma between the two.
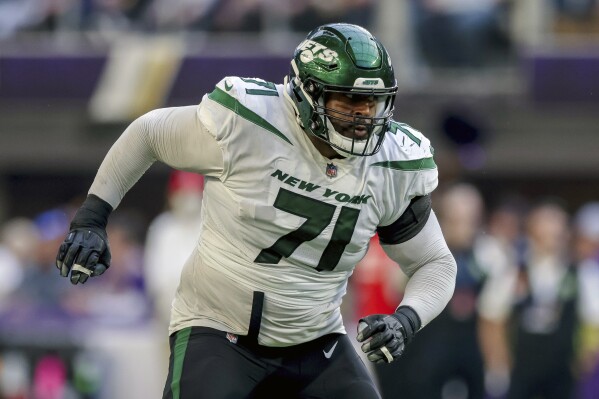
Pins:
x: 228, y: 86
x: 329, y: 353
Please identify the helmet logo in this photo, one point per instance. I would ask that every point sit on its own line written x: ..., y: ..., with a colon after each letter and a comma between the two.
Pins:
x: 369, y: 83
x: 311, y: 50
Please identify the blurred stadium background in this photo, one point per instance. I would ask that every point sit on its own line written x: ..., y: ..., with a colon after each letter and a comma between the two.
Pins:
x: 507, y: 91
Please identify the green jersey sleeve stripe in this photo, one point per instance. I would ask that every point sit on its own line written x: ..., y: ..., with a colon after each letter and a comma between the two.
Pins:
x: 234, y: 105
x: 416, y: 164
x: 179, y: 350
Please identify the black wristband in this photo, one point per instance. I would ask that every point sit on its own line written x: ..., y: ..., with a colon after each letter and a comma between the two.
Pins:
x: 93, y: 213
x: 410, y: 321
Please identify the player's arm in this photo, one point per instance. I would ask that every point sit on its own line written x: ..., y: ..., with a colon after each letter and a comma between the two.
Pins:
x: 174, y: 136
x: 415, y: 242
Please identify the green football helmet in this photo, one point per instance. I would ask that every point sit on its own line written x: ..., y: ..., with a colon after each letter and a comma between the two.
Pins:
x: 347, y: 59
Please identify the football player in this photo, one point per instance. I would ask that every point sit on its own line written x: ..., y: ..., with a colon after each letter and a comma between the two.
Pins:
x: 299, y: 177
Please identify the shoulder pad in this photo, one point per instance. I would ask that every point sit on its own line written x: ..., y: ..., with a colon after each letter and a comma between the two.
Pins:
x: 404, y: 143
x: 408, y: 137
x: 239, y: 88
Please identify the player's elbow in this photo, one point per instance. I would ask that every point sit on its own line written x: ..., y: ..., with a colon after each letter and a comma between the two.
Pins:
x: 448, y: 270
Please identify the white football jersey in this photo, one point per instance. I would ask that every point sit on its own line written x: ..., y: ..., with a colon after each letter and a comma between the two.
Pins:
x: 284, y: 220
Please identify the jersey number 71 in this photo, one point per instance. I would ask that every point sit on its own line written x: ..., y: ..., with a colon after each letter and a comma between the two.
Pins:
x: 318, y: 216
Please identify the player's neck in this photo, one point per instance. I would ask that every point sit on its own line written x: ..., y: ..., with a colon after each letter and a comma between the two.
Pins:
x: 323, y: 148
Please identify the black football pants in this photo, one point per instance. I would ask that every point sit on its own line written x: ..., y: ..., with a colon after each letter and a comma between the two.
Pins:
x: 208, y: 363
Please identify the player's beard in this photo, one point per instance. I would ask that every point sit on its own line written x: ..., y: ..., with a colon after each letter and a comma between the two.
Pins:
x: 352, y: 130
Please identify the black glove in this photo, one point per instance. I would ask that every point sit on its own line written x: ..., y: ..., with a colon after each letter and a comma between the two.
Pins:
x: 85, y: 251
x: 385, y: 336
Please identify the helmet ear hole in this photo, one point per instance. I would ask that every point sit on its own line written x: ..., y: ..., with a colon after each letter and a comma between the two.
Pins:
x: 313, y: 88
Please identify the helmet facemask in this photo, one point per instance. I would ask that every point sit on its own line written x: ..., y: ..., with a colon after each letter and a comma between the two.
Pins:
x: 355, y: 134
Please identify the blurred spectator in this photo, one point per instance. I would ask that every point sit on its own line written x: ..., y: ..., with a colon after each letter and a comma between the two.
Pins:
x: 313, y: 13
x: 172, y: 236
x: 14, y: 375
x: 499, y: 250
x: 36, y: 318
x: 21, y: 237
x: 49, y: 378
x: 447, y: 361
x: 300, y: 15
x: 40, y: 291
x: 586, y: 252
x: 110, y: 17
x: 9, y: 267
x: 459, y: 33
x: 544, y: 315
x: 187, y: 14
x: 45, y: 301
x: 73, y: 15
x: 18, y: 242
x: 233, y: 16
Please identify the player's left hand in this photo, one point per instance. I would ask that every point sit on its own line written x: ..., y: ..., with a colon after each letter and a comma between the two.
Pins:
x: 385, y: 337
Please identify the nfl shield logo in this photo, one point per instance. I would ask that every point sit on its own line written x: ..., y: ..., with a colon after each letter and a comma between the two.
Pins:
x: 331, y: 170
x: 232, y: 338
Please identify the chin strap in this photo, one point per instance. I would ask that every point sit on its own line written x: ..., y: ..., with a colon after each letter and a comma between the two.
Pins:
x: 287, y: 93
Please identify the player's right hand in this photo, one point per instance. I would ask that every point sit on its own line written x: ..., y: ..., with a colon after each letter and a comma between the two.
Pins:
x: 84, y: 253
